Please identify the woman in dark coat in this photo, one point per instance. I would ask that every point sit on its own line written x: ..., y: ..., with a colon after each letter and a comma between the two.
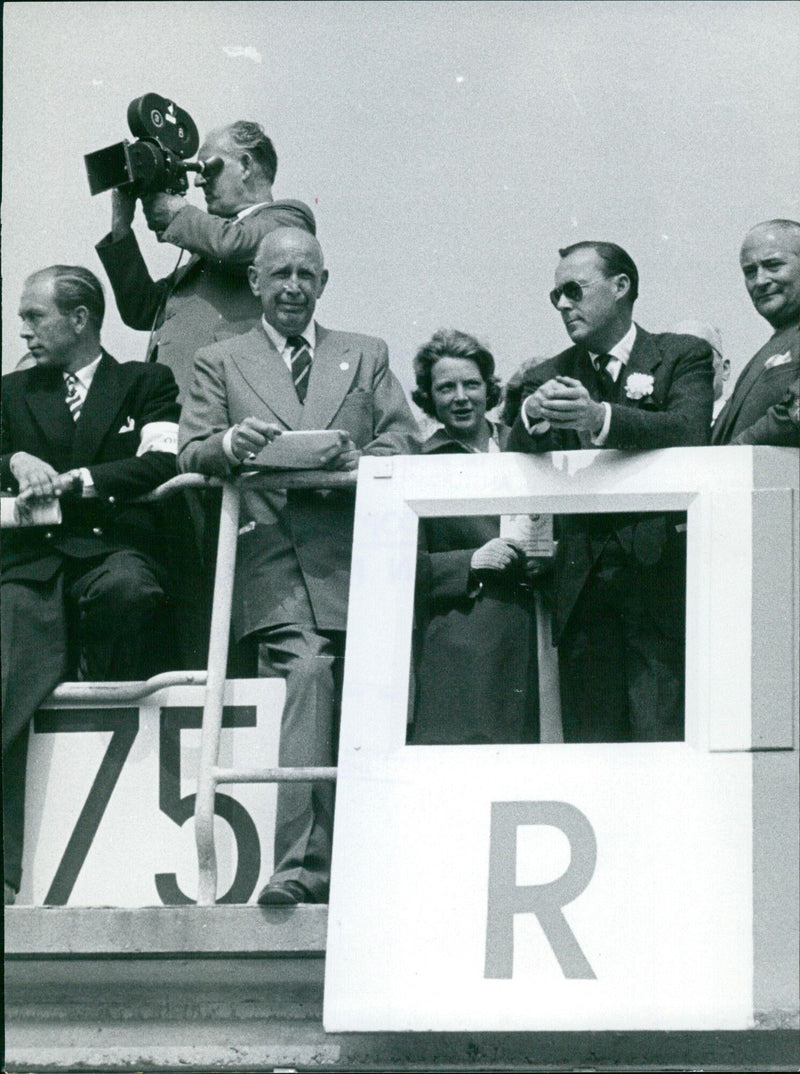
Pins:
x: 476, y: 675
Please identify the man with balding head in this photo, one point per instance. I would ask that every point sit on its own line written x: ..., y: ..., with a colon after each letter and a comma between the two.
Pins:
x: 208, y: 297
x: 293, y: 559
x: 764, y: 406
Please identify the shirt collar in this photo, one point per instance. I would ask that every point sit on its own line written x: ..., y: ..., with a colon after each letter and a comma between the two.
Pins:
x: 621, y: 350
x: 250, y: 209
x: 309, y: 334
x: 86, y: 375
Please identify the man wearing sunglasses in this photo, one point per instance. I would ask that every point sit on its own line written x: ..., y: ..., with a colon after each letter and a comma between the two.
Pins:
x: 620, y: 579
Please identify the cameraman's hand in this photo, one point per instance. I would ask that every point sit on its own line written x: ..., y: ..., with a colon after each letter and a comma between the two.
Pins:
x: 250, y: 436
x: 495, y: 555
x: 123, y: 208
x: 342, y: 456
x: 161, y: 209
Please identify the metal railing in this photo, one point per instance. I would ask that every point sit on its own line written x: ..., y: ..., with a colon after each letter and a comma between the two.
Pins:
x: 213, y: 677
x: 209, y: 773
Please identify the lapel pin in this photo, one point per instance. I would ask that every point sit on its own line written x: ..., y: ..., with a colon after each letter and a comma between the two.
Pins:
x: 344, y: 365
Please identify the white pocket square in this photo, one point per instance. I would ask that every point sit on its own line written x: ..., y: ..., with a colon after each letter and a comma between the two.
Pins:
x: 778, y: 359
x: 129, y: 426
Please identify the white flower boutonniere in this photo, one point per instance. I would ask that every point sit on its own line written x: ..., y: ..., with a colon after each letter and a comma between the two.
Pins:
x: 638, y: 385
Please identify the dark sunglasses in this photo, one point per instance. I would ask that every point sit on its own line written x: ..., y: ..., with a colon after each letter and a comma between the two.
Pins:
x: 571, y: 289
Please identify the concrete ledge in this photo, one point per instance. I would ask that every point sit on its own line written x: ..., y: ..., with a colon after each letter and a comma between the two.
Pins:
x: 58, y: 932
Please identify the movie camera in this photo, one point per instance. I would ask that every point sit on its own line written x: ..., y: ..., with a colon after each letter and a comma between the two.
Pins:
x: 156, y: 162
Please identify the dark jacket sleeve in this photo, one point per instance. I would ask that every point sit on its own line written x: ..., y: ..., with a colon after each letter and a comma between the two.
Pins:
x: 155, y: 400
x: 779, y: 426
x: 137, y: 295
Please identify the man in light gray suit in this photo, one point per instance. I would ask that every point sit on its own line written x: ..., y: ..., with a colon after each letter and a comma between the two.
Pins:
x: 290, y: 373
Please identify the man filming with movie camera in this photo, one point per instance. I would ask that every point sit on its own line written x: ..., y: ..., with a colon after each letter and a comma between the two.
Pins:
x: 208, y: 297
x: 205, y: 299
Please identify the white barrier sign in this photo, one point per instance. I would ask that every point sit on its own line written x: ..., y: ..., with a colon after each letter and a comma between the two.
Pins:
x: 633, y: 886
x: 111, y: 791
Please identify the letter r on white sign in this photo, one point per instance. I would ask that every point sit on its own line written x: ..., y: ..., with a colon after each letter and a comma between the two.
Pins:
x: 506, y: 898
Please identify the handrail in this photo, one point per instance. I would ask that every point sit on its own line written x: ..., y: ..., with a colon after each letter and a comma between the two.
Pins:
x: 209, y: 775
x: 213, y: 678
x: 115, y: 692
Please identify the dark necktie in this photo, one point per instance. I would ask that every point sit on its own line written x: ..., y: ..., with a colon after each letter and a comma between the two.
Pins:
x: 608, y: 386
x: 301, y: 365
x: 74, y: 399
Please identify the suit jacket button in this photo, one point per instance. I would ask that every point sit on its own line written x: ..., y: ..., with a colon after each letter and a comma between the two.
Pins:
x: 97, y: 531
x: 49, y: 535
x: 112, y: 499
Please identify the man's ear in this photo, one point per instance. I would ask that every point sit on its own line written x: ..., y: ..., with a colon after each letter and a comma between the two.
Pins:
x: 246, y: 165
x: 252, y: 279
x: 323, y: 279
x: 623, y: 285
x: 80, y: 318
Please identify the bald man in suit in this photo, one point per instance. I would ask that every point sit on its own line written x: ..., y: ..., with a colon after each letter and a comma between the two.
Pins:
x: 294, y: 548
x: 764, y: 406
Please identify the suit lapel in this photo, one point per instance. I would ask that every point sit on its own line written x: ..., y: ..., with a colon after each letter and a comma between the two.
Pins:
x: 266, y: 373
x: 749, y: 379
x: 645, y: 358
x: 332, y: 373
x: 100, y: 409
x: 46, y: 400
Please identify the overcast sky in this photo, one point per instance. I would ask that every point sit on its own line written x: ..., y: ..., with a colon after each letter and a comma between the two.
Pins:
x: 448, y: 149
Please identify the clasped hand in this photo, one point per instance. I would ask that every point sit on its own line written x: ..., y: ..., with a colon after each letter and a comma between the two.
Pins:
x: 496, y: 555
x: 38, y: 481
x: 566, y: 404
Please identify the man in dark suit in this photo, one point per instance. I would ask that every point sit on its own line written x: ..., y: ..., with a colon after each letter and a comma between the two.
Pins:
x: 209, y: 297
x: 294, y: 549
x: 764, y: 407
x: 620, y: 580
x: 81, y: 434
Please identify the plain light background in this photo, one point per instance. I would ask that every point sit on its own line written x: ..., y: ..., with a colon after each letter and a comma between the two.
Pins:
x: 447, y: 148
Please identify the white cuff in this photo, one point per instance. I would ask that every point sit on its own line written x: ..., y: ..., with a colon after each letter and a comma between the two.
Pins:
x: 87, y: 482
x: 534, y: 428
x: 158, y: 436
x: 226, y: 447
x: 602, y: 436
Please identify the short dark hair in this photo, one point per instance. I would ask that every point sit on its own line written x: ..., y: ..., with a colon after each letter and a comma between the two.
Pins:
x: 248, y: 137
x: 73, y: 286
x: 616, y: 260
x: 450, y: 343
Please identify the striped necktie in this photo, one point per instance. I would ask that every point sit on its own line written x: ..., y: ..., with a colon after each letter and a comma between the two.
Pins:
x: 74, y: 395
x: 301, y: 365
